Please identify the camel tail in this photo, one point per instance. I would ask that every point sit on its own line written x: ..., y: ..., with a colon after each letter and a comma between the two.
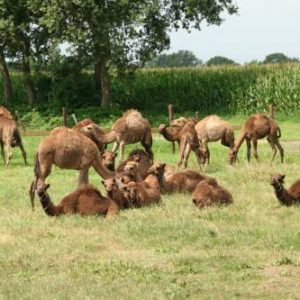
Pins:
x: 278, y: 133
x: 37, y: 173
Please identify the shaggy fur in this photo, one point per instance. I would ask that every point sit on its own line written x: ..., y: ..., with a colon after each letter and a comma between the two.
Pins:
x: 286, y: 197
x: 67, y: 149
x: 212, y: 129
x: 257, y: 127
x: 142, y: 193
x: 10, y: 137
x: 85, y: 201
x: 210, y: 193
x: 180, y: 182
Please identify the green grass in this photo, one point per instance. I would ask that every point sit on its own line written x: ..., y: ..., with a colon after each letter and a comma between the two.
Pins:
x: 172, y: 251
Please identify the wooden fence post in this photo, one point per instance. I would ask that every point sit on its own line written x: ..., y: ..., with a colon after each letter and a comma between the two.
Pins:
x: 19, y: 120
x: 74, y: 119
x: 64, y: 116
x: 271, y: 111
x: 170, y: 115
x: 197, y: 116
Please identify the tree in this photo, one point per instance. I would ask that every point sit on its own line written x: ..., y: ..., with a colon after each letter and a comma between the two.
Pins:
x: 220, y: 60
x: 178, y: 59
x: 278, y: 58
x: 121, y: 34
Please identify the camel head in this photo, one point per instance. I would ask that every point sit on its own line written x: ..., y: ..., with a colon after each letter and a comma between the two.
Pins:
x: 90, y: 129
x: 130, y: 168
x: 42, y: 188
x: 180, y: 122
x: 202, y: 194
x: 109, y: 184
x: 108, y: 159
x: 232, y: 156
x: 277, y: 179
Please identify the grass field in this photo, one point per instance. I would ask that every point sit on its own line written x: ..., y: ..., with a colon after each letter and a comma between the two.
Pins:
x: 250, y: 249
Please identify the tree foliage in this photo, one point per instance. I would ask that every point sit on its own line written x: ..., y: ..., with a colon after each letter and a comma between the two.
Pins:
x: 177, y: 59
x: 220, y: 60
x: 278, y: 58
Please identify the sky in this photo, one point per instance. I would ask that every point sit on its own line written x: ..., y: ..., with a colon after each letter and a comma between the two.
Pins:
x: 260, y: 28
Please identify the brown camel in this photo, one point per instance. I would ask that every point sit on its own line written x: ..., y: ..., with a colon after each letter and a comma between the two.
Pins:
x: 211, y: 129
x: 257, y: 127
x: 143, y: 162
x: 4, y: 112
x: 180, y: 182
x: 142, y: 193
x: 286, y: 197
x: 108, y: 159
x: 131, y: 128
x: 210, y: 193
x: 10, y: 137
x: 67, y: 149
x: 85, y: 201
x: 186, y: 137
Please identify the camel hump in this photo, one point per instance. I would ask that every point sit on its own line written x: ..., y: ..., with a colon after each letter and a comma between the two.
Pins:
x: 134, y: 119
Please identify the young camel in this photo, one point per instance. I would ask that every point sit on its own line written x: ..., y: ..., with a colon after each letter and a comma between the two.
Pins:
x: 286, y: 197
x: 10, y: 137
x: 257, y: 127
x: 67, y: 149
x: 131, y: 128
x: 143, y: 193
x: 108, y: 159
x: 212, y: 129
x: 85, y: 201
x: 180, y: 182
x: 186, y: 137
x: 210, y: 193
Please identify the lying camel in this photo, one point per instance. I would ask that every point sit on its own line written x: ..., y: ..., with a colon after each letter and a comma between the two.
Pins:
x: 180, y: 182
x: 131, y: 128
x: 142, y: 193
x: 210, y: 193
x: 143, y: 162
x: 10, y: 137
x: 257, y: 127
x: 67, y: 149
x: 212, y: 129
x: 286, y: 197
x: 85, y: 201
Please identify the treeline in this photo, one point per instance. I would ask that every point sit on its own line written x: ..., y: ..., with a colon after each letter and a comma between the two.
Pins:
x: 227, y: 89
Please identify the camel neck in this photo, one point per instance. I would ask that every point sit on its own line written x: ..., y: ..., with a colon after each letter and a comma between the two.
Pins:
x: 283, y: 195
x: 240, y: 141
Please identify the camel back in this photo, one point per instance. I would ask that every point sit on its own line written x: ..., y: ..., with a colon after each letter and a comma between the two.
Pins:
x: 5, y: 113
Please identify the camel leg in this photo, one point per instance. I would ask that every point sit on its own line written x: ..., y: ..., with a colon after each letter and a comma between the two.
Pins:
x: 248, y: 149
x: 2, y: 151
x: 198, y: 155
x: 206, y: 152
x: 23, y: 153
x: 83, y: 176
x: 115, y: 146
x: 182, y: 147
x: 254, y: 142
x: 271, y: 142
x: 186, y: 155
x: 281, y: 151
x: 147, y: 144
x: 8, y: 154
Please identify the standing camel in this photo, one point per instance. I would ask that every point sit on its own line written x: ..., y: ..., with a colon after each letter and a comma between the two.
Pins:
x: 257, y: 127
x: 67, y: 149
x: 211, y: 129
x: 131, y: 128
x: 10, y: 137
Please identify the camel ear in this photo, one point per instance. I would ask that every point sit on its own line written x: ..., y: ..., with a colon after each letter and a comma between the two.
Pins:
x: 47, y: 186
x: 103, y: 182
x: 282, y: 176
x: 163, y: 165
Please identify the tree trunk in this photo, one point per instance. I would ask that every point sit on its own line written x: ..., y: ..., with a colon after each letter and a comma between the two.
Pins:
x: 7, y: 86
x: 27, y: 74
x: 102, y: 76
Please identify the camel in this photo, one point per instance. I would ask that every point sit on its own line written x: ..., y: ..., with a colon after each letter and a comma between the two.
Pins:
x: 67, y: 149
x: 10, y: 137
x: 131, y: 128
x: 180, y: 182
x: 4, y: 112
x: 211, y: 129
x: 85, y: 201
x: 286, y: 197
x: 143, y: 162
x: 210, y: 193
x: 257, y: 127
x: 185, y: 136
x: 142, y: 193
x: 108, y: 159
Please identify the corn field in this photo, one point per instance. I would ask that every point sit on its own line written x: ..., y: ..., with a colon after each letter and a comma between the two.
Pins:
x: 227, y: 89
